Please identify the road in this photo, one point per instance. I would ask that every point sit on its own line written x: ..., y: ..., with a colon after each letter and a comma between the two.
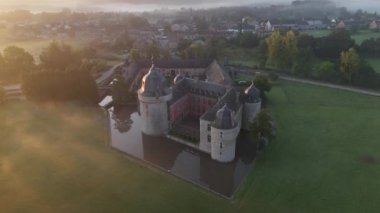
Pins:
x: 322, y: 84
x: 333, y: 86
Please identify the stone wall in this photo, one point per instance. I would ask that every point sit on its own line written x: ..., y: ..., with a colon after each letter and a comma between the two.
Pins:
x: 223, y: 141
x: 154, y: 115
x: 205, y: 136
x: 223, y: 144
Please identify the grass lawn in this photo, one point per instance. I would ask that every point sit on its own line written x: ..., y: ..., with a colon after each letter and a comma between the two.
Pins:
x: 241, y: 56
x: 359, y: 37
x: 363, y: 35
x: 326, y: 158
x: 318, y: 33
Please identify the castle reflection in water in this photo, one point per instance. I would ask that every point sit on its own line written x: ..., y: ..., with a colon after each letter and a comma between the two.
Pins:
x: 178, y: 159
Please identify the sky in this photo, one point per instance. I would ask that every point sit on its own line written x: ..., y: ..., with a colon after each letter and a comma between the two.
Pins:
x: 148, y: 5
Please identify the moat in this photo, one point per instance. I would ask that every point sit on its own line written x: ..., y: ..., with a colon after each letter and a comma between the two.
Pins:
x: 177, y: 159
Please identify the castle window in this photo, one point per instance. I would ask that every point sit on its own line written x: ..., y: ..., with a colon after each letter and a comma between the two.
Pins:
x: 208, y: 127
x: 208, y: 138
x: 221, y: 145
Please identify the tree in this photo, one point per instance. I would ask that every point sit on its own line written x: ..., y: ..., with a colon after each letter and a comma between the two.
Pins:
x: 59, y: 56
x: 305, y: 41
x: 349, y: 63
x: 134, y: 55
x: 2, y: 94
x: 274, y: 45
x: 247, y: 40
x: 123, y: 42
x: 262, y: 83
x: 291, y: 44
x: 2, y: 64
x: 263, y: 126
x: 262, y: 54
x: 282, y: 49
x: 326, y: 70
x: 152, y: 51
x: 74, y: 84
x: 16, y: 61
x: 119, y: 90
x: 302, y: 65
x: 366, y: 76
x: 370, y: 47
x: 332, y: 45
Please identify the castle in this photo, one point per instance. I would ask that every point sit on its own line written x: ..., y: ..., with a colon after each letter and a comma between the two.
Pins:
x: 208, y: 113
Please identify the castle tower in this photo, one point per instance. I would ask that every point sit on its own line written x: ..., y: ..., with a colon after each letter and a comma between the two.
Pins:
x: 154, y: 96
x: 252, y: 106
x: 224, y: 132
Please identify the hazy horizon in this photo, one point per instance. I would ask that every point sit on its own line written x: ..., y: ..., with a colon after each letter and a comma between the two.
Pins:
x: 150, y: 5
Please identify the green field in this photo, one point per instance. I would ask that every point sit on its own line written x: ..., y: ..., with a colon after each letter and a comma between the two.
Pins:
x: 375, y: 63
x: 318, y: 33
x: 241, y: 56
x: 363, y: 35
x: 325, y: 159
x: 358, y: 37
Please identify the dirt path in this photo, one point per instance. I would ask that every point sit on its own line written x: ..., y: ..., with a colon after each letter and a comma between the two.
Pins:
x: 318, y: 83
x: 333, y: 86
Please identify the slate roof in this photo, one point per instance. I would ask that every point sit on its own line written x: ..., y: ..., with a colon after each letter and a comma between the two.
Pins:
x: 188, y: 85
x: 231, y: 99
x: 224, y: 118
x: 154, y: 84
x: 252, y: 94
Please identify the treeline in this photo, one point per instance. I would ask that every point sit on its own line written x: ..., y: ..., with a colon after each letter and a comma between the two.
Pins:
x: 63, y: 75
x: 106, y: 19
x: 215, y: 47
x: 334, y: 58
x: 69, y: 85
x: 370, y: 47
x: 14, y: 62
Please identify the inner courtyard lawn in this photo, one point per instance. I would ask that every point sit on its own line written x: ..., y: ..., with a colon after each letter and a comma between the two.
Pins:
x: 325, y: 159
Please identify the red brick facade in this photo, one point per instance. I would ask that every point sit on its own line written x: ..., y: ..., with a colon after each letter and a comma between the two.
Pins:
x: 190, y: 105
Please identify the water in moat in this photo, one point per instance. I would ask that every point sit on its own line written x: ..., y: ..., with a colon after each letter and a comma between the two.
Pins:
x: 175, y: 158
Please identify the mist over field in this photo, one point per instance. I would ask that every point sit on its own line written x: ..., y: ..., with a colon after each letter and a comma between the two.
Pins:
x: 149, y: 5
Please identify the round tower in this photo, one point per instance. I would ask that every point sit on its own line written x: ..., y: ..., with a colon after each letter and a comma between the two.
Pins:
x: 224, y: 132
x: 252, y: 106
x: 154, y: 96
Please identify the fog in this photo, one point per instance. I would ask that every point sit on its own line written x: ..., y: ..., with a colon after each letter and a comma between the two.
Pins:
x: 149, y: 5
